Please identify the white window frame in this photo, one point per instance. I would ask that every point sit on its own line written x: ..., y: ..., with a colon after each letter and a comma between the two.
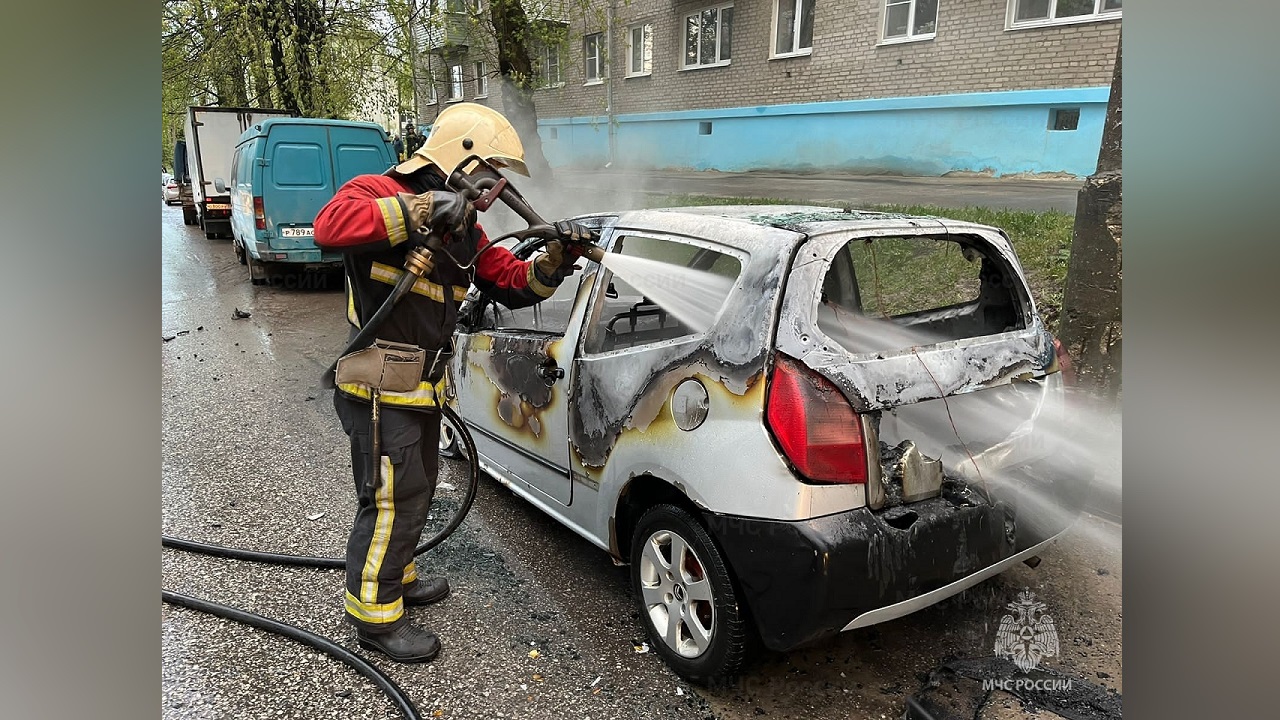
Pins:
x: 482, y: 80
x: 462, y: 7
x: 795, y: 31
x: 1099, y: 14
x: 911, y: 35
x: 457, y: 87
x: 544, y: 56
x: 684, y: 23
x: 431, y: 92
x: 646, y: 51
x: 596, y: 42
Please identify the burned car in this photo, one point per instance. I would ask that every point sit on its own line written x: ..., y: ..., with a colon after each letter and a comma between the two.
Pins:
x: 854, y: 420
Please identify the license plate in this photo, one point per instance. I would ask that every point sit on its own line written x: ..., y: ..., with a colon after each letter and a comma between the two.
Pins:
x: 217, y: 206
x: 297, y: 232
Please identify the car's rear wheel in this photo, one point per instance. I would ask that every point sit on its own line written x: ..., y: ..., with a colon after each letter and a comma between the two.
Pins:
x: 241, y: 255
x: 686, y: 596
x: 188, y: 215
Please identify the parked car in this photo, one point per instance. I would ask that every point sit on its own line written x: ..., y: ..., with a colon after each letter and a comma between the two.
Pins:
x: 848, y: 440
x: 283, y: 171
x: 169, y: 190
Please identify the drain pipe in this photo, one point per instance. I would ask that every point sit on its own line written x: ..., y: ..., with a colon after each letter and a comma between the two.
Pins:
x: 608, y: 87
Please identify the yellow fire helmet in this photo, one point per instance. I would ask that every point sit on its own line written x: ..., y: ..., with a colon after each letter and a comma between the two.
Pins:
x: 468, y: 129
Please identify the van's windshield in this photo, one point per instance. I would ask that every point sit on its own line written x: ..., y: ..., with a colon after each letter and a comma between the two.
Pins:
x: 888, y: 294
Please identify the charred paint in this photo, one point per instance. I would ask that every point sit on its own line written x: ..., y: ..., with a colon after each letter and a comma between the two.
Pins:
x: 885, y: 380
x: 511, y: 364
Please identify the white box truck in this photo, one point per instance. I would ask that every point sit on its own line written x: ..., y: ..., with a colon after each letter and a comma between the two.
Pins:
x: 211, y: 137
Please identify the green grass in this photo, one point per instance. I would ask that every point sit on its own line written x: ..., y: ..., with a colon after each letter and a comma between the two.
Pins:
x: 1041, y: 239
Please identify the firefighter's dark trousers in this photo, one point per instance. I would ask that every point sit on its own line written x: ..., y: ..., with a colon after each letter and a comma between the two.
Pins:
x: 391, y: 514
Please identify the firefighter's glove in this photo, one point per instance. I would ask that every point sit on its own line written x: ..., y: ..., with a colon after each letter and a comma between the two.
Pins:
x: 555, y: 264
x: 575, y: 234
x: 441, y: 211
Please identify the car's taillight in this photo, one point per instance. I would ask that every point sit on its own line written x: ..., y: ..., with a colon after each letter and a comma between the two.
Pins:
x: 814, y: 424
x: 259, y: 216
x: 1064, y: 363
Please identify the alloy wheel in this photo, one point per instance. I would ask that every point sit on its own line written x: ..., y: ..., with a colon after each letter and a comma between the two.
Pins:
x: 676, y: 593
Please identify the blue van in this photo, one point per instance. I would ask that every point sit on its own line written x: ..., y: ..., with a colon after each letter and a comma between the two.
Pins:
x: 284, y: 170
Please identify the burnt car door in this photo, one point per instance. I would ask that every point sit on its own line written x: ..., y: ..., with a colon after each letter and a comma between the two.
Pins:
x: 509, y: 378
x: 635, y: 333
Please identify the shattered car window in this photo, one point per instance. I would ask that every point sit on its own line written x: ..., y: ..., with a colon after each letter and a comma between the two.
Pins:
x: 888, y: 294
x: 549, y: 316
x: 626, y: 317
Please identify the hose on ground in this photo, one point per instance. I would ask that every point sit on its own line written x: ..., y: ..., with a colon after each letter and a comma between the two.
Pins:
x: 323, y: 644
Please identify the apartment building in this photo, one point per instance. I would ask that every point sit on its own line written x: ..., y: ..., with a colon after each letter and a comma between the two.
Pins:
x: 916, y: 87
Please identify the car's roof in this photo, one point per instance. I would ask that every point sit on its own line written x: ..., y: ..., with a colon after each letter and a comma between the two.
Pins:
x: 804, y: 220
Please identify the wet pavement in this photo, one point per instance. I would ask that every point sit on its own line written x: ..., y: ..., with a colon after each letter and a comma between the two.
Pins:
x: 253, y: 457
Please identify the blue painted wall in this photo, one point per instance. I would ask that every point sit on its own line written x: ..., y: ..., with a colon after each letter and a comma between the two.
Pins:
x: 998, y: 133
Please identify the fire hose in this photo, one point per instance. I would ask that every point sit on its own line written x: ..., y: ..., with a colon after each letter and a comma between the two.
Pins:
x: 481, y: 188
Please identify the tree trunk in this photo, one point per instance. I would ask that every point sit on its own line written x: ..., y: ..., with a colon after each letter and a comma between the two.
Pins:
x: 512, y: 35
x: 273, y: 25
x: 1091, y: 320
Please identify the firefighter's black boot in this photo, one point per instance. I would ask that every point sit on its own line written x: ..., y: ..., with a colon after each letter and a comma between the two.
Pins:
x: 425, y: 591
x: 406, y: 643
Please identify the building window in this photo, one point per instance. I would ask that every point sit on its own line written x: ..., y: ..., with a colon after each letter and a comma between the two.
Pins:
x: 482, y: 81
x: 792, y: 27
x: 462, y: 6
x: 639, y: 50
x: 906, y: 20
x: 1038, y: 13
x: 708, y: 37
x: 1064, y: 119
x: 455, y: 83
x: 549, y: 67
x: 431, y: 92
x: 591, y: 57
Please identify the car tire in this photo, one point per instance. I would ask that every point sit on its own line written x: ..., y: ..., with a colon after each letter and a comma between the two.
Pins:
x: 676, y: 569
x: 450, y: 445
x: 188, y: 216
x: 241, y: 254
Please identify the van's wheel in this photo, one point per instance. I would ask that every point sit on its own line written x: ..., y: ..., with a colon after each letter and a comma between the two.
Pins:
x: 686, y: 596
x: 241, y: 255
x: 258, y: 274
x: 188, y: 215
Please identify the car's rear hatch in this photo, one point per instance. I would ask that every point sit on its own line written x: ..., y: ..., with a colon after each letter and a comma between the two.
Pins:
x: 927, y: 330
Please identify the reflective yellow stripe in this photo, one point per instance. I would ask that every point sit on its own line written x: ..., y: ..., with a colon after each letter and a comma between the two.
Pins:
x: 537, y: 286
x: 352, y: 317
x: 378, y: 613
x: 424, y: 396
x: 393, y: 218
x: 384, y: 500
x: 423, y: 286
x: 410, y: 573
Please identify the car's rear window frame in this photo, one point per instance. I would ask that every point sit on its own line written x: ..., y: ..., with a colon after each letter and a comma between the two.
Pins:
x: 840, y: 237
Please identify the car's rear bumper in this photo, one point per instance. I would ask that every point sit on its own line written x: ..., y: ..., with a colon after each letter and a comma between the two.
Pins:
x: 805, y: 580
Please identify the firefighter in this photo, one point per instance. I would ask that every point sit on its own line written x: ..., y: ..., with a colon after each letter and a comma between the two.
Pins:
x: 373, y: 220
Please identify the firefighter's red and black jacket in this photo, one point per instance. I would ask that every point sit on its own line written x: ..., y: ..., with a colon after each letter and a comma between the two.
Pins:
x: 366, y: 222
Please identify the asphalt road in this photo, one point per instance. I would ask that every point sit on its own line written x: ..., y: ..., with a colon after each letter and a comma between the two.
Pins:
x: 251, y: 451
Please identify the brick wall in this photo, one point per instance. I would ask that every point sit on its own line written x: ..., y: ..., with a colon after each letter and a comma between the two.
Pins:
x: 971, y: 52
